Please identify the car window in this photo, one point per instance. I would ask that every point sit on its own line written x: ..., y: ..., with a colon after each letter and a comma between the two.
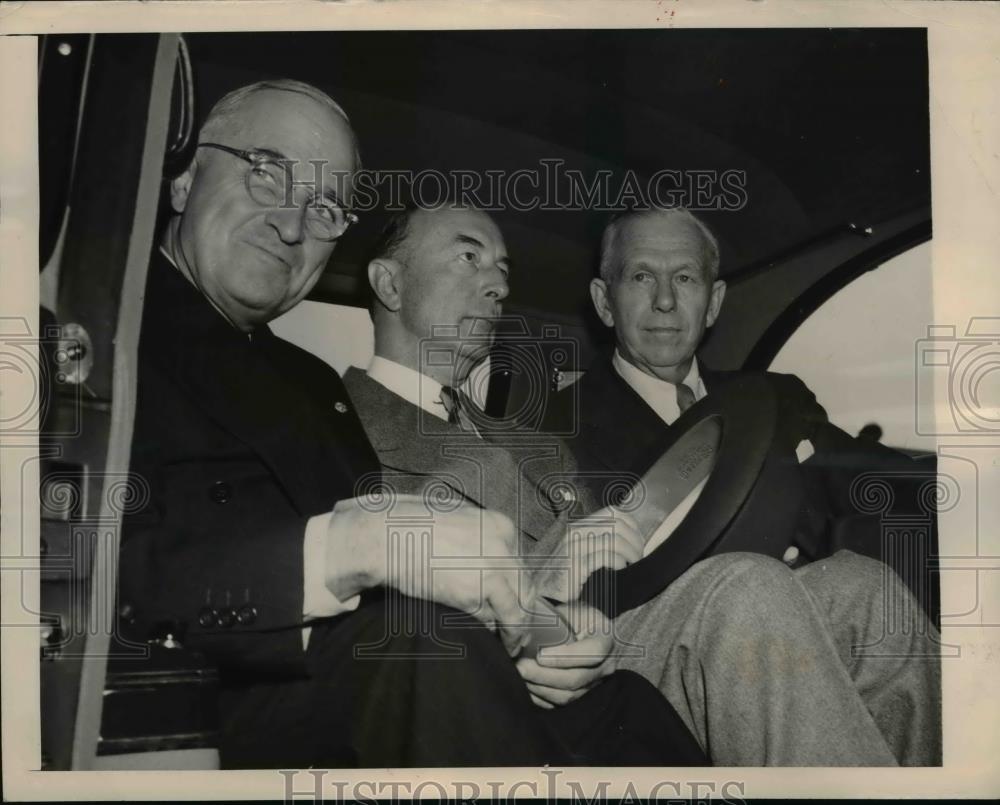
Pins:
x: 857, y: 350
x: 341, y: 335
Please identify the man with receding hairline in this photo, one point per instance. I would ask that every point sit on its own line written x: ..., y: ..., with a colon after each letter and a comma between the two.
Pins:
x: 439, y: 278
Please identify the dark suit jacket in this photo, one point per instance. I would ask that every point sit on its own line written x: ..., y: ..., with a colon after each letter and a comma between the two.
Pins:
x: 791, y: 503
x: 237, y: 443
x: 422, y: 454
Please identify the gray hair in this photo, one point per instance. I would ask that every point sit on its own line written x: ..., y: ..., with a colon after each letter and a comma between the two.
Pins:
x: 610, y: 269
x: 230, y: 105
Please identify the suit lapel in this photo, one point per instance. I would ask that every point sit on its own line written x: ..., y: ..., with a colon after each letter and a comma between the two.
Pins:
x: 526, y: 474
x: 607, y: 402
x: 413, y: 442
x: 716, y: 380
x: 621, y: 430
x: 239, y: 385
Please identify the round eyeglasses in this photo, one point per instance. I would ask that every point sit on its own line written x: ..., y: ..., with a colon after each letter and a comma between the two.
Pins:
x: 269, y: 183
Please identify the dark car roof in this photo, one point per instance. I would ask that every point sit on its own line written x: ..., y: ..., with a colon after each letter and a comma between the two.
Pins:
x: 829, y: 125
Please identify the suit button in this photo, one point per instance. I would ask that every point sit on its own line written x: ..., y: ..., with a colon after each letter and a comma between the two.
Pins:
x: 790, y: 555
x: 220, y: 492
x: 246, y: 615
x: 227, y: 617
x: 207, y: 617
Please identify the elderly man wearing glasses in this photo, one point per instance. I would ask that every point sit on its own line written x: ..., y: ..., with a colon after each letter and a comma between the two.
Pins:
x: 253, y: 542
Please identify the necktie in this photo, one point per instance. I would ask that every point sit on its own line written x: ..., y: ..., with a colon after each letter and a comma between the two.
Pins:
x: 685, y: 397
x: 457, y: 404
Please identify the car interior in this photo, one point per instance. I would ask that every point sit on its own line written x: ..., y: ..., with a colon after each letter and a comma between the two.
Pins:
x: 827, y: 131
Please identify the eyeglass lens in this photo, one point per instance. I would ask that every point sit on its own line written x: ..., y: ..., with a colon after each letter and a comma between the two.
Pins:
x: 270, y: 184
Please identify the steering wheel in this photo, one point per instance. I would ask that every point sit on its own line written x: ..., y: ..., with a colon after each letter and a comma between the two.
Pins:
x: 747, y: 411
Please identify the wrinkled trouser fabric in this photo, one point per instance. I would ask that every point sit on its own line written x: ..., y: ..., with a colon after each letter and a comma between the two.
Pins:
x: 830, y: 664
x: 403, y: 683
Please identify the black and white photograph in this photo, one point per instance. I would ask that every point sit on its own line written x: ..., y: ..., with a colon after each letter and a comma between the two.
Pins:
x: 610, y: 403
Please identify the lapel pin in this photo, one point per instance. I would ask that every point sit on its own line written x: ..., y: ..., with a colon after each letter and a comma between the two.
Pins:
x: 340, y: 407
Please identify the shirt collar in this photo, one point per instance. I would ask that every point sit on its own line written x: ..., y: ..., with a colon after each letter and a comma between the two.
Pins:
x: 414, y: 387
x: 660, y: 395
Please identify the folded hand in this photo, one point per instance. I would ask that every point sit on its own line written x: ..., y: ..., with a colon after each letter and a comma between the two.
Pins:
x: 561, y: 674
x: 607, y: 538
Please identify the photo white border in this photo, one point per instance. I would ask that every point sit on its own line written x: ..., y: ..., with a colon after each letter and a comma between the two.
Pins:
x: 963, y: 42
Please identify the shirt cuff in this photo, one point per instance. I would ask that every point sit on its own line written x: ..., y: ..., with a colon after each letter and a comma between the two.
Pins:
x: 318, y: 601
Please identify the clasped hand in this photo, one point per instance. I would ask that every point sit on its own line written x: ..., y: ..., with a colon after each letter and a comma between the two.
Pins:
x: 466, y: 559
x: 470, y: 562
x: 560, y: 674
x: 607, y: 538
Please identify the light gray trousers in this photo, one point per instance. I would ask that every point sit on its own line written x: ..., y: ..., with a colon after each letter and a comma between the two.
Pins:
x: 833, y: 664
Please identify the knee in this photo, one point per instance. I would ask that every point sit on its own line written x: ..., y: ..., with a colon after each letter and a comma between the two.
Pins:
x: 402, y: 626
x: 746, y: 574
x: 851, y: 576
x: 748, y: 588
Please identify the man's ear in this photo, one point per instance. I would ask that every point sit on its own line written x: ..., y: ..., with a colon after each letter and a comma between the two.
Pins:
x: 715, y: 303
x: 180, y: 187
x: 599, y: 294
x: 383, y: 275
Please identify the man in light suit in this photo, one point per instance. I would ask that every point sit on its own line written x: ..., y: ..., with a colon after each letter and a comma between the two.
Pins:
x: 439, y: 278
x: 254, y: 542
x: 783, y: 695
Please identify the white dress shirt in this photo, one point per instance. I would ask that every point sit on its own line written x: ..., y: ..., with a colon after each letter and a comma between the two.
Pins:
x: 660, y: 395
x: 414, y: 387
